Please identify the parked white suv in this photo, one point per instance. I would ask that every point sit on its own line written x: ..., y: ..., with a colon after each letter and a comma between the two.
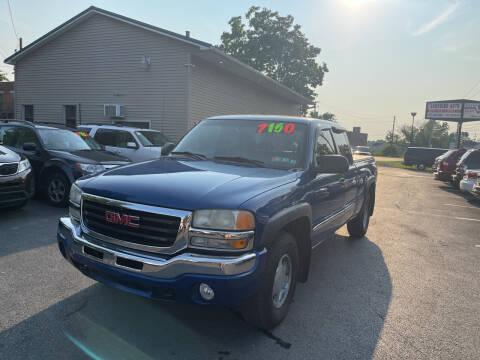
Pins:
x: 134, y: 143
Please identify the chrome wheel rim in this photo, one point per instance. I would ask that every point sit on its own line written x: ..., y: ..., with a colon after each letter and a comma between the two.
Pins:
x: 56, y: 190
x: 282, y: 281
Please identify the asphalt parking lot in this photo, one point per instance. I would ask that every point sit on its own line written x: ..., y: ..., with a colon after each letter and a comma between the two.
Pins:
x: 410, y: 289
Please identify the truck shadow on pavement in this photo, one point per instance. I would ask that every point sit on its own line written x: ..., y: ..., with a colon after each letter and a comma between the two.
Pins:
x: 338, y: 313
x: 29, y: 227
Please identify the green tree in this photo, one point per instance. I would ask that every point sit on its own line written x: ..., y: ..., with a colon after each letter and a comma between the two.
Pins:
x: 3, y: 77
x: 388, y: 137
x: 277, y: 47
x: 406, y: 134
x: 431, y: 133
x: 325, y: 116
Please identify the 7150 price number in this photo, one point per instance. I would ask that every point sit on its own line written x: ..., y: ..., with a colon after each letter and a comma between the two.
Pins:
x: 276, y: 128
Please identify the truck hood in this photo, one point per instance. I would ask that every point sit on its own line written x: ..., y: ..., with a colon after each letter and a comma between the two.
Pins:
x: 185, y: 184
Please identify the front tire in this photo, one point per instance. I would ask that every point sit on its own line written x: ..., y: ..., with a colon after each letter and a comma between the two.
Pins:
x: 270, y: 305
x: 357, y: 227
x: 57, y: 188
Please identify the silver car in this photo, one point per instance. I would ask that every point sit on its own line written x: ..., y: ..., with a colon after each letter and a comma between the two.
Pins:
x: 134, y: 143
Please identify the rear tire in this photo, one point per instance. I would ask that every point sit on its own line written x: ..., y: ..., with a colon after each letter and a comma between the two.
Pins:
x: 357, y: 227
x: 270, y: 305
x: 57, y: 189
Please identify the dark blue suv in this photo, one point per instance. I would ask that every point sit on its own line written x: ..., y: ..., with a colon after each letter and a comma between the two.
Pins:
x: 228, y: 217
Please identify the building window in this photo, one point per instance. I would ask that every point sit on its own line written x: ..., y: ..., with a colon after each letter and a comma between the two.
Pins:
x: 27, y: 112
x: 70, y: 115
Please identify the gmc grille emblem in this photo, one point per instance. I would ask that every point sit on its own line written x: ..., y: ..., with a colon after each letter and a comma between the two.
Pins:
x: 125, y: 220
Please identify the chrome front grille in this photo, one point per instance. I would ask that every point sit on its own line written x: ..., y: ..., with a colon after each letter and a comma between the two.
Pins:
x: 135, y: 226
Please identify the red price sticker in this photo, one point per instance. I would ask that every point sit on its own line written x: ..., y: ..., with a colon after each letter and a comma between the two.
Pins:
x: 276, y: 128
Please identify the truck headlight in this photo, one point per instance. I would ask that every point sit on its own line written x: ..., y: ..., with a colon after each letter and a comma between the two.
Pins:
x: 23, y: 165
x: 90, y: 168
x: 75, y: 198
x: 222, y: 229
x: 233, y: 220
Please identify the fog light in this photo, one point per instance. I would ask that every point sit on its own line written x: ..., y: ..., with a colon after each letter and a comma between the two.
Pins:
x: 206, y: 292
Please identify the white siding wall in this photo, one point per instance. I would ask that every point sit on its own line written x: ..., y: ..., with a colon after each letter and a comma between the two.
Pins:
x: 216, y: 92
x: 99, y: 62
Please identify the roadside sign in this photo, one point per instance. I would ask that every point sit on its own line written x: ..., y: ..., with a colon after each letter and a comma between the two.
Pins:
x: 459, y: 111
x: 453, y: 110
x: 471, y: 111
x: 441, y: 110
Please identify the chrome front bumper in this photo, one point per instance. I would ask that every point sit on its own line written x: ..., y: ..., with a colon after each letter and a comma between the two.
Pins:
x: 155, y: 266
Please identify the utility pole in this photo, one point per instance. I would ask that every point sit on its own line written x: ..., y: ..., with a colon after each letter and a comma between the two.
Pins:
x: 413, y: 120
x: 393, y: 129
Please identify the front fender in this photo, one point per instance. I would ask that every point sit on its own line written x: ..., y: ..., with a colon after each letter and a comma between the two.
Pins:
x: 296, y: 219
x: 282, y: 218
x: 57, y: 165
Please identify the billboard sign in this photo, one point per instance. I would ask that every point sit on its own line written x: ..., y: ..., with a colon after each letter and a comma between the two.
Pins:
x: 443, y: 110
x: 471, y: 111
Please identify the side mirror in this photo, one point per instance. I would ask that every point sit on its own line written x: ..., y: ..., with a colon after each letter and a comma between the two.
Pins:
x: 131, y: 145
x: 29, y: 146
x: 167, y: 148
x: 332, y: 164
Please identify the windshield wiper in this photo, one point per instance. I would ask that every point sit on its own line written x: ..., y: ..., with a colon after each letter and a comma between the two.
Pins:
x: 240, y: 159
x: 191, y: 154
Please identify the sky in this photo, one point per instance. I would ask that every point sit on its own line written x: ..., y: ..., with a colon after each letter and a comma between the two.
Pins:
x: 385, y: 57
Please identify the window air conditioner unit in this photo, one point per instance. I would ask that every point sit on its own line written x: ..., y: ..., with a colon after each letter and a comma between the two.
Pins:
x: 114, y: 110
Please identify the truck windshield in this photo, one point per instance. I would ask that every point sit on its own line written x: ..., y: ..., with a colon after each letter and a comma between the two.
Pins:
x: 56, y: 139
x: 273, y: 144
x: 151, y: 138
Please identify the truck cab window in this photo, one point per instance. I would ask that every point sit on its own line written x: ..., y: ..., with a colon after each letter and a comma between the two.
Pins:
x: 343, y: 146
x: 323, y: 145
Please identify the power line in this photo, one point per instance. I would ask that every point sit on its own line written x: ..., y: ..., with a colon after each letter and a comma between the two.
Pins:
x: 478, y: 92
x: 473, y: 87
x: 11, y: 19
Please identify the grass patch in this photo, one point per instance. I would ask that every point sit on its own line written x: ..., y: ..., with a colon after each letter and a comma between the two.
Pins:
x: 398, y: 164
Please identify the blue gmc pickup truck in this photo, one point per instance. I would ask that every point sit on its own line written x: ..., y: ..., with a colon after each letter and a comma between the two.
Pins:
x: 229, y: 216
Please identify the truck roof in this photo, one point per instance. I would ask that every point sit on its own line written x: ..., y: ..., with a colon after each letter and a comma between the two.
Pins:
x: 296, y: 119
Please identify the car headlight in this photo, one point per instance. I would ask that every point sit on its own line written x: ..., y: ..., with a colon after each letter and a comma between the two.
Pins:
x: 23, y: 165
x: 91, y: 168
x: 234, y: 220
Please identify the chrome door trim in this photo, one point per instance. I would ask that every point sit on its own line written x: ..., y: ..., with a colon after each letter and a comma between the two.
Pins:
x: 332, y: 218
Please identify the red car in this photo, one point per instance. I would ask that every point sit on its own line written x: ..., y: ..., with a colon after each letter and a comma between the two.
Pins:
x: 446, y: 164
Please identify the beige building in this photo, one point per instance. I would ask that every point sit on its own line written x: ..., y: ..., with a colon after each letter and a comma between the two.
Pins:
x: 101, y: 67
